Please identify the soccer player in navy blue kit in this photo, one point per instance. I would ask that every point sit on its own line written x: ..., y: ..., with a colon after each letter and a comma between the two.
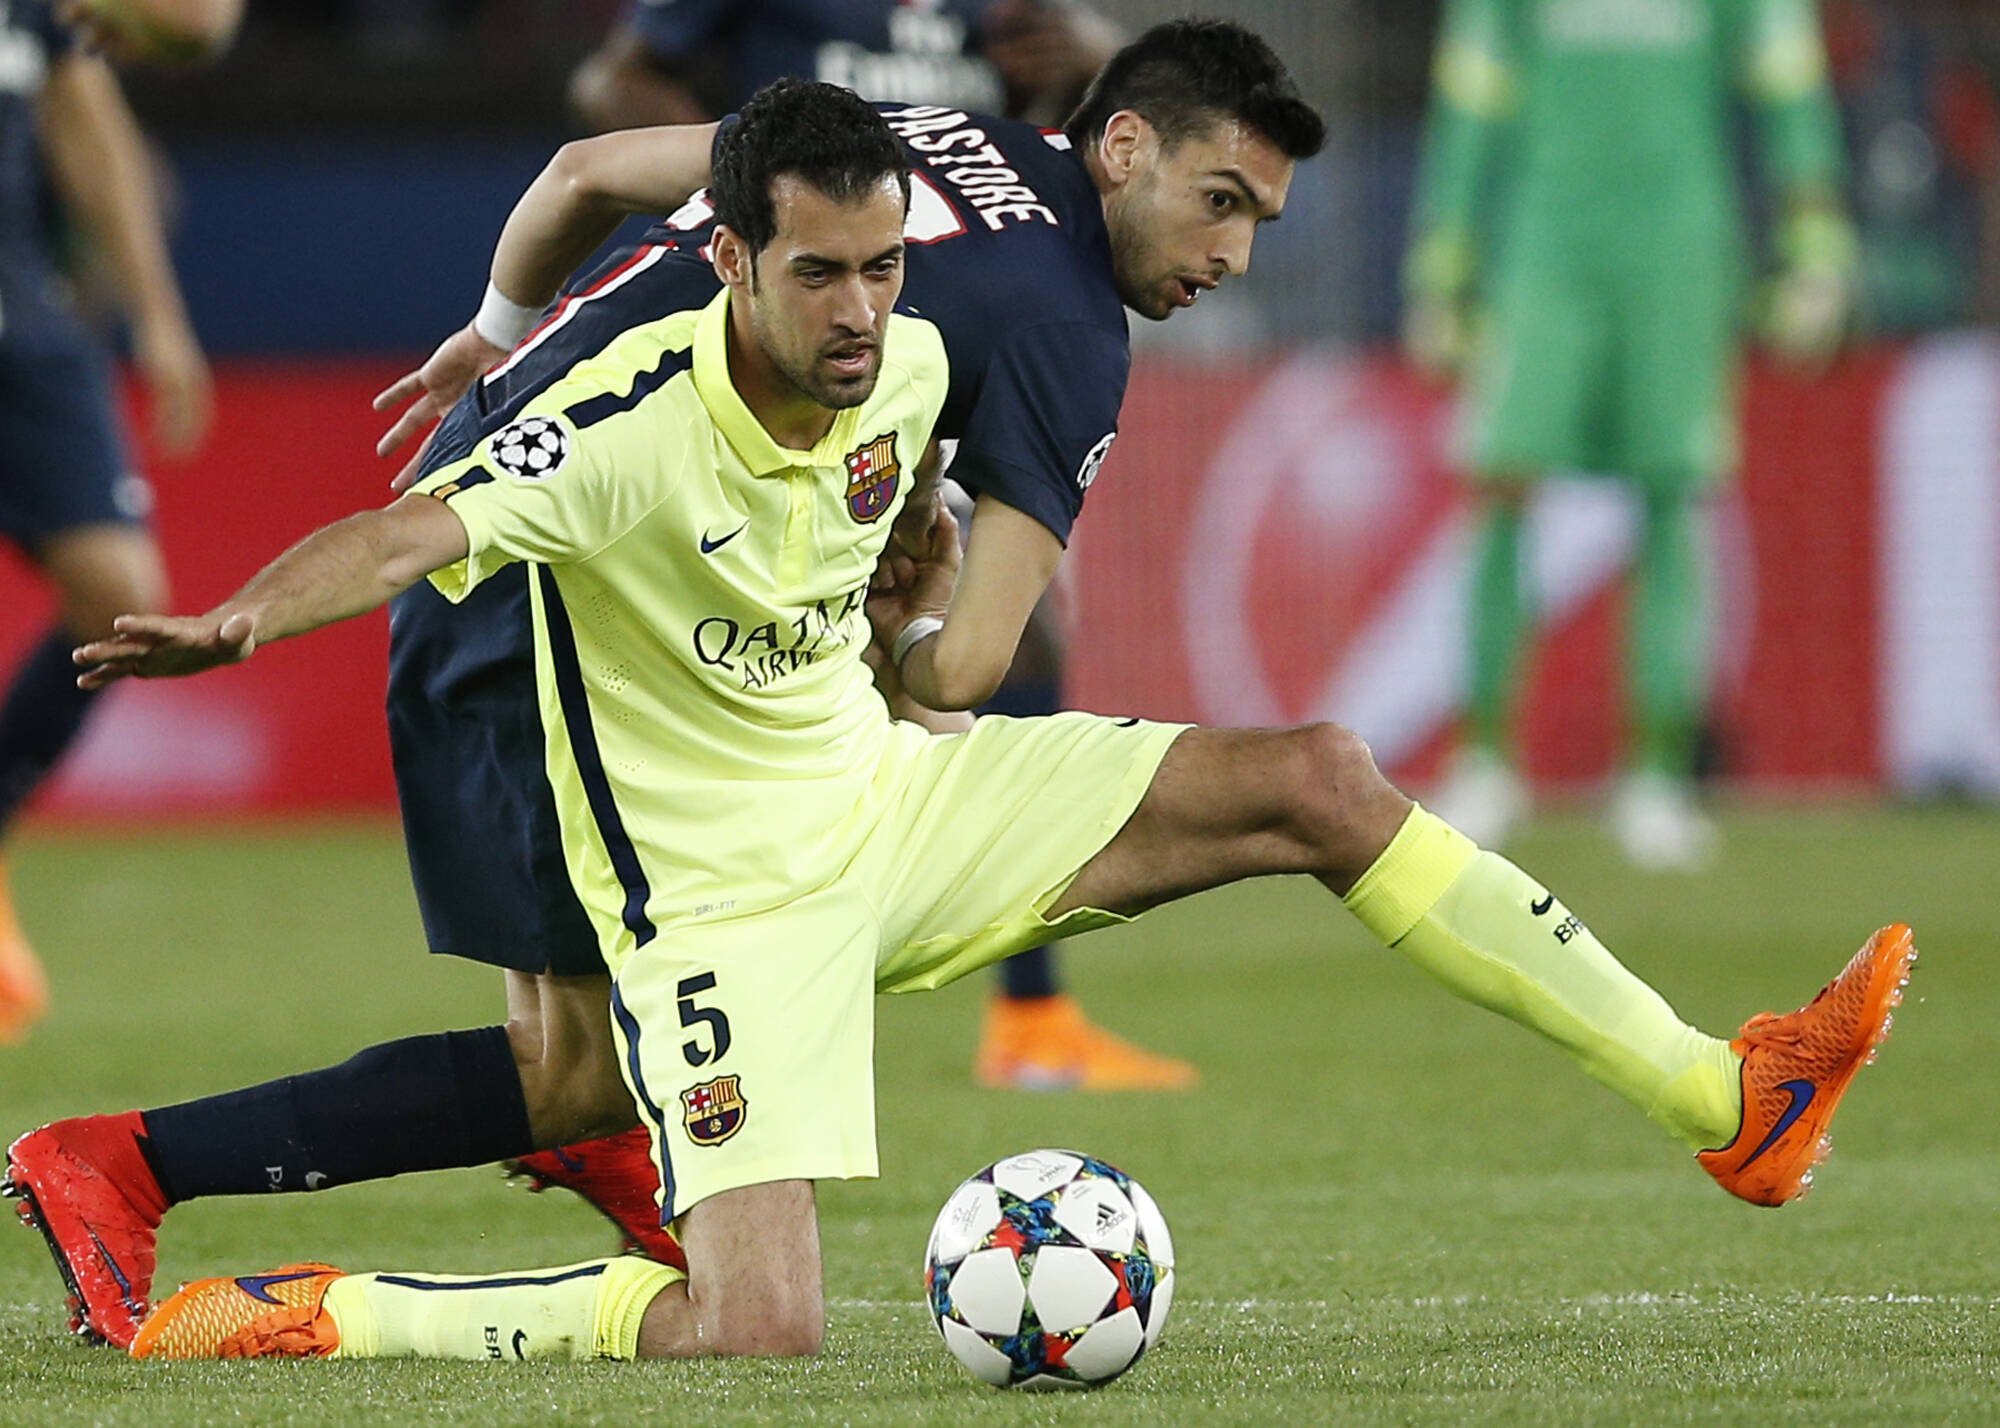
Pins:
x: 691, y: 61
x: 1025, y: 247
x: 69, y: 498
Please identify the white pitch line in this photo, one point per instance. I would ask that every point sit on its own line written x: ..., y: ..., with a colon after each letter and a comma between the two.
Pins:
x: 1636, y: 1299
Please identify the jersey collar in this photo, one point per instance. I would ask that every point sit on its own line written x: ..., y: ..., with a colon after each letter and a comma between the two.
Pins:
x: 758, y: 450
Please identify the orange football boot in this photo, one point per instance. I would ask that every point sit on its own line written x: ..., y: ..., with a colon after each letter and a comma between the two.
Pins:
x: 1796, y: 1068
x: 1048, y: 1044
x: 24, y: 987
x: 281, y: 1314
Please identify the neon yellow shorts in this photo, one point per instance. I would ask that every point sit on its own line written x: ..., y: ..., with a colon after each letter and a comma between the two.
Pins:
x: 748, y: 1042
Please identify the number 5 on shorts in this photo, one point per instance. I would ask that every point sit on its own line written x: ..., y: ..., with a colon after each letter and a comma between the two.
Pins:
x: 718, y: 1023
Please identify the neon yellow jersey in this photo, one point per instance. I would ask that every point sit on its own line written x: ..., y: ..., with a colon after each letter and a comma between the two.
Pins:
x: 698, y: 607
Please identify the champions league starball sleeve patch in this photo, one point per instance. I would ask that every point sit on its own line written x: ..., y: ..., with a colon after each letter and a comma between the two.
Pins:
x: 531, y: 448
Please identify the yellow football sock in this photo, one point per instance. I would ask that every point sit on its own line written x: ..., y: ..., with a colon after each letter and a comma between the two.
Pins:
x: 1485, y: 930
x: 580, y: 1311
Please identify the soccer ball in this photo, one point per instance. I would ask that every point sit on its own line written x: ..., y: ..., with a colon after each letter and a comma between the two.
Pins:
x: 1049, y: 1270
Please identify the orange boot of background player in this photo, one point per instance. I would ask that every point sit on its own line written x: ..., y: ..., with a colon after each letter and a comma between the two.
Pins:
x: 1048, y: 1044
x: 24, y: 990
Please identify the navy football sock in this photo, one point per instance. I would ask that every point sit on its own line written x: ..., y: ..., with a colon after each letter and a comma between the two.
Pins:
x: 1029, y: 974
x: 423, y: 1103
x: 43, y: 712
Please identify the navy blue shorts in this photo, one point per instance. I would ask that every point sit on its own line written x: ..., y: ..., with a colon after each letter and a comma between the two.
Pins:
x: 63, y: 462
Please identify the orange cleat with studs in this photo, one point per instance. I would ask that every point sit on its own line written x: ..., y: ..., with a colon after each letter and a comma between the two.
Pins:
x: 1796, y: 1067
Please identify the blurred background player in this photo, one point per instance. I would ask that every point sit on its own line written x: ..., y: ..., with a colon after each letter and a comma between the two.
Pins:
x: 69, y: 498
x: 1578, y: 184
x: 690, y: 61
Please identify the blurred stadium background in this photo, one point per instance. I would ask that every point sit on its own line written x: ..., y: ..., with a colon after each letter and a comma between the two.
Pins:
x: 1275, y: 532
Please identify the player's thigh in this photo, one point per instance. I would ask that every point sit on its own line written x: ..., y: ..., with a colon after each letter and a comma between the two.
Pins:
x: 748, y: 1043
x: 754, y: 1280
x: 972, y: 836
x: 559, y: 1029
x: 102, y: 571
x: 1679, y: 339
x: 63, y: 463
x: 1228, y: 804
x: 1533, y: 391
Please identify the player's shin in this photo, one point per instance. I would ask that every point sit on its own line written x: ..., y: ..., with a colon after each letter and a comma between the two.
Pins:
x: 1492, y: 935
x: 580, y: 1311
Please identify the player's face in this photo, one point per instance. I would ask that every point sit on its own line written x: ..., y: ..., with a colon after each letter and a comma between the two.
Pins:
x: 823, y: 288
x: 1183, y: 216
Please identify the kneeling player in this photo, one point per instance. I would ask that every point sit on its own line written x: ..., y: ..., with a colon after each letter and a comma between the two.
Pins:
x: 744, y: 969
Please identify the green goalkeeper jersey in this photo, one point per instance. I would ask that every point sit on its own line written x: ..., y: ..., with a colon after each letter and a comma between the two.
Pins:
x: 1617, y: 113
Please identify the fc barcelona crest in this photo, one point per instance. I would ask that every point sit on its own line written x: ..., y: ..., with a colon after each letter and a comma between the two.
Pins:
x: 871, y: 478
x: 714, y: 1110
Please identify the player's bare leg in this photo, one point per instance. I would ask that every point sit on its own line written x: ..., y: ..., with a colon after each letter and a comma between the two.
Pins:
x: 1230, y: 804
x: 753, y: 1288
x: 754, y: 1283
x: 560, y: 1032
x: 587, y: 1137
x: 99, y: 572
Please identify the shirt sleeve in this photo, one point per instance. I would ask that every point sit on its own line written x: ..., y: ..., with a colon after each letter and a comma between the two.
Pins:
x: 1043, y: 420
x: 538, y: 489
x: 1784, y: 71
x: 670, y: 29
x: 56, y: 37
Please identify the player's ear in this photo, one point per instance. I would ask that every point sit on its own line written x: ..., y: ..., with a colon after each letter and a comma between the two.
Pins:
x: 734, y: 263
x: 1126, y: 145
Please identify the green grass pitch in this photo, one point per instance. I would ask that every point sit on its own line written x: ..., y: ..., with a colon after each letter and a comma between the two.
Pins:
x: 1389, y: 1207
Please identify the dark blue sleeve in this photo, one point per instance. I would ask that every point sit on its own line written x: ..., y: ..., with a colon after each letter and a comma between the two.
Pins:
x: 671, y: 28
x: 1044, y: 416
x: 54, y: 34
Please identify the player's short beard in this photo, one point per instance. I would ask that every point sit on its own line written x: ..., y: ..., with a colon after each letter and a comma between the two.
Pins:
x: 803, y: 377
x: 1131, y: 256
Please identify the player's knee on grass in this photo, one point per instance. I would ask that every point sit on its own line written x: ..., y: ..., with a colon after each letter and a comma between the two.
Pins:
x: 753, y: 1287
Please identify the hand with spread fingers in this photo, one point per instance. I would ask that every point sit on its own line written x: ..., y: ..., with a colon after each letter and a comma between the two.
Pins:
x: 165, y: 646
x: 447, y: 374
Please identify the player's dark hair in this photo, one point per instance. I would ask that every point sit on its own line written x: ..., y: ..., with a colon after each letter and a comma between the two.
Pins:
x: 1184, y: 76
x: 827, y: 136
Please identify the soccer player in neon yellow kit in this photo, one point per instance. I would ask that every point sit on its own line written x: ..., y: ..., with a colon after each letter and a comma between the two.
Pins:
x: 711, y: 729
x: 1579, y: 180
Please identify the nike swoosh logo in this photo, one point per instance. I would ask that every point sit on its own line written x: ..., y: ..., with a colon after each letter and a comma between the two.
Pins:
x: 1538, y: 908
x: 258, y: 1286
x: 1801, y: 1093
x: 710, y: 547
x: 124, y: 1284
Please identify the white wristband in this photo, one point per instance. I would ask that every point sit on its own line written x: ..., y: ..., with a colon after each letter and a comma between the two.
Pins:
x: 921, y: 628
x: 502, y: 321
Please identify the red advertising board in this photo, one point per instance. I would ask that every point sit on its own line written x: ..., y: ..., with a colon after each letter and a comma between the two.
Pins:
x: 1268, y: 542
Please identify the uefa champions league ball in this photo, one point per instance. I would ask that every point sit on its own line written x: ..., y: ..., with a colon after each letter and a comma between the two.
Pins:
x: 1049, y: 1270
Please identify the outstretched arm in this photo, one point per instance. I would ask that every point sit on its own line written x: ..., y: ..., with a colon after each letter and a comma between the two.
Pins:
x: 573, y: 205
x: 952, y: 633
x: 339, y: 571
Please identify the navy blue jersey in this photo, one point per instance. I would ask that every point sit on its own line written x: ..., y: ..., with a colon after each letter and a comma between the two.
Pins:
x: 923, y: 52
x: 31, y: 40
x: 465, y: 731
x: 1009, y: 257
